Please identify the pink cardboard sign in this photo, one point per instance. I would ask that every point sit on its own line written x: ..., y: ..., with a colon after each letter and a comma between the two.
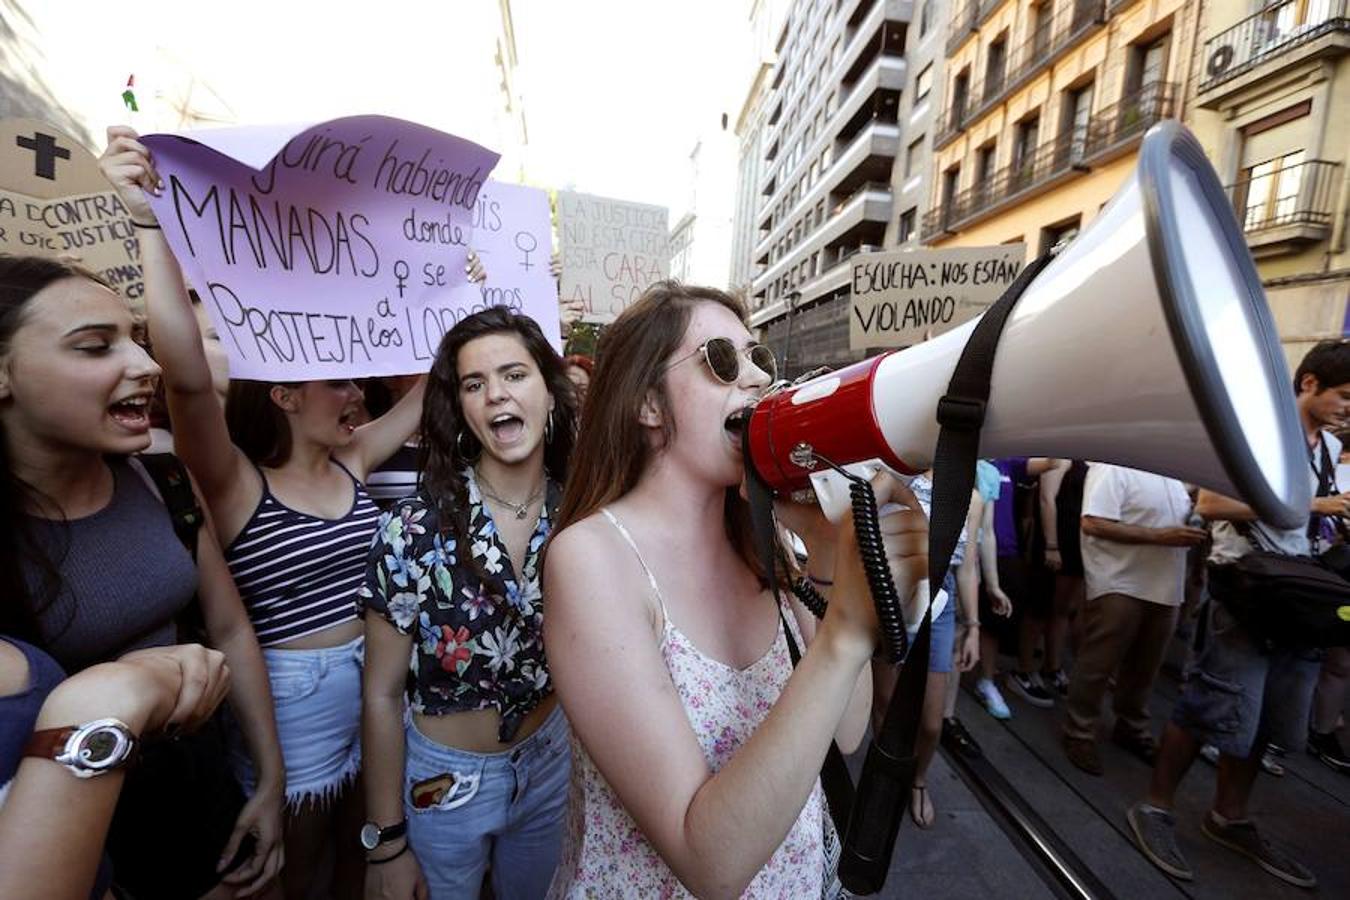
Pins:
x: 335, y: 250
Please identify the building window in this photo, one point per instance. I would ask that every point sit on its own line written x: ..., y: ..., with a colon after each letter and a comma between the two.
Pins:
x: 923, y: 83
x: 912, y: 154
x: 951, y: 180
x: 1061, y: 232
x: 994, y: 64
x: 984, y: 163
x: 1024, y: 143
x: 960, y: 93
x: 924, y: 10
x: 1147, y: 65
x: 1268, y: 194
x: 907, y: 224
x: 1039, y: 23
x: 1075, y: 112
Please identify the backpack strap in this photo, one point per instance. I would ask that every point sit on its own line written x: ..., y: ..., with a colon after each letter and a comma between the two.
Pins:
x: 168, y: 477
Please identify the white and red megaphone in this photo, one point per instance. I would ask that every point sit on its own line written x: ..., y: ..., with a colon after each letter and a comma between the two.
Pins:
x: 1146, y: 343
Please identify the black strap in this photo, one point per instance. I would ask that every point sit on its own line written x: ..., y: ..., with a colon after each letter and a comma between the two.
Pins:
x: 175, y: 489
x: 185, y: 513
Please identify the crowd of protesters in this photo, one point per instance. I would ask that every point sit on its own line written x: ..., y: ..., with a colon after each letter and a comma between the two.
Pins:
x: 318, y: 625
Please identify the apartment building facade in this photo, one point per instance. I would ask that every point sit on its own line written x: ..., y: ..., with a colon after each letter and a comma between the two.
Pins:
x: 920, y: 105
x: 815, y: 182
x: 1047, y: 102
x: 1272, y: 108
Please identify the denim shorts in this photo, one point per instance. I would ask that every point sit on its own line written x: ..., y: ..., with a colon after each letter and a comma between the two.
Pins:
x: 317, y: 697
x: 468, y: 809
x: 942, y: 644
x: 1235, y: 695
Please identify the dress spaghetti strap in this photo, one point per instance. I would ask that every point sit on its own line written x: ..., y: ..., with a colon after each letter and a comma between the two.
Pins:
x: 651, y: 579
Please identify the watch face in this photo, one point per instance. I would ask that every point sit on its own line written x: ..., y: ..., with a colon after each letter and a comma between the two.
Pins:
x: 370, y: 836
x: 98, y: 747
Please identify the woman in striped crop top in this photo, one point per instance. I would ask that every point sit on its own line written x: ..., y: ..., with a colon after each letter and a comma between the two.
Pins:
x: 478, y: 772
x: 282, y: 468
x: 697, y: 747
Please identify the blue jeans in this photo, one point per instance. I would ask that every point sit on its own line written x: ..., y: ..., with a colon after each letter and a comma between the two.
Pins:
x: 504, y: 808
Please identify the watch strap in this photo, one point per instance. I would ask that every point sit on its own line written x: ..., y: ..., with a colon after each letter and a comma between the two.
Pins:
x: 49, y: 743
x: 392, y: 832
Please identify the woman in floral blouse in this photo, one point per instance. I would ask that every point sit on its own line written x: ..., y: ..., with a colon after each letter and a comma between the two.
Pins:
x: 479, y: 773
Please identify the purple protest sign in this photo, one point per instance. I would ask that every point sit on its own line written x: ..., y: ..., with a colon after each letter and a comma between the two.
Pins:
x: 336, y: 250
x: 513, y: 236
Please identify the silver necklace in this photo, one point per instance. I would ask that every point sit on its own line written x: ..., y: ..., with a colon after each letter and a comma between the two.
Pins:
x: 520, y: 509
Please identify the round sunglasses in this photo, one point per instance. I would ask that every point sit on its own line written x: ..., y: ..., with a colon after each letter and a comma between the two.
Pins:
x: 724, y: 359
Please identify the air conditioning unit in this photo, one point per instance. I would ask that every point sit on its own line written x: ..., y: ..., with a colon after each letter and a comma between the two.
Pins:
x: 1220, y: 60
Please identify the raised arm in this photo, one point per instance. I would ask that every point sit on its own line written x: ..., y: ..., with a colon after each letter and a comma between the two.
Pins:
x: 376, y: 441
x: 201, y: 437
x: 715, y: 831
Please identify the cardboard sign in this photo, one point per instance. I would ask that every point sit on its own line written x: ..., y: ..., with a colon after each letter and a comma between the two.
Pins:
x: 612, y: 251
x: 55, y: 202
x: 336, y: 250
x: 901, y: 296
x: 513, y: 236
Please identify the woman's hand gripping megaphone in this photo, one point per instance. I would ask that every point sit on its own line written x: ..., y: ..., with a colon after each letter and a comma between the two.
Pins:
x: 833, y: 555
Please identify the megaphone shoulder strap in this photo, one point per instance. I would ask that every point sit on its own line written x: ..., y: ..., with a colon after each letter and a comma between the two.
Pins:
x: 889, y: 769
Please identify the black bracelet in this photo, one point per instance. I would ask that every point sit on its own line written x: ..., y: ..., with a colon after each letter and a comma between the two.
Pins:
x: 390, y: 858
x: 152, y: 225
x: 819, y: 582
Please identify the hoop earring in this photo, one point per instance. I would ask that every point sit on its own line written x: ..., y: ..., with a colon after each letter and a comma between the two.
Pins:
x: 459, y: 445
x: 548, y: 428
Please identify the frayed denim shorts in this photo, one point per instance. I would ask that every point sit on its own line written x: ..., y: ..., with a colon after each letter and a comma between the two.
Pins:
x: 317, y: 697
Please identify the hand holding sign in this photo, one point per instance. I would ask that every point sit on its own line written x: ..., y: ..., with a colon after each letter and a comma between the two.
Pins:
x: 127, y: 165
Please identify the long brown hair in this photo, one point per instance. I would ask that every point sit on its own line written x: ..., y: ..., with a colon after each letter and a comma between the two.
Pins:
x: 612, y: 449
x: 23, y: 600
x: 445, y: 436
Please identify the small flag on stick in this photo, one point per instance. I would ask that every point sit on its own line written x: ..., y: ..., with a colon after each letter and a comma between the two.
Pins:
x: 129, y: 95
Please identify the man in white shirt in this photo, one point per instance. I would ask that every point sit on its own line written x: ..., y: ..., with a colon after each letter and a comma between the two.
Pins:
x: 1135, y: 538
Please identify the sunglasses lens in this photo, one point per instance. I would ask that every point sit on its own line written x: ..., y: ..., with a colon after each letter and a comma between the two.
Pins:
x: 763, y: 359
x: 722, y: 359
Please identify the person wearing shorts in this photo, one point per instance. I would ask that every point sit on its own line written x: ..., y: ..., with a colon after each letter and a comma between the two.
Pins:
x: 1240, y: 696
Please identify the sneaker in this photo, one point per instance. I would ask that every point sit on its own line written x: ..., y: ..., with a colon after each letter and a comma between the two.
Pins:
x: 955, y: 736
x: 1142, y: 747
x: 1269, y: 764
x: 1155, y: 833
x: 994, y: 704
x: 1328, y: 749
x: 1030, y: 689
x: 1083, y: 754
x: 1056, y: 681
x: 1243, y: 837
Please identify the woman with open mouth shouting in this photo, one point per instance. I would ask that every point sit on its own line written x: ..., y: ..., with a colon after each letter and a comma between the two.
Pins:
x: 282, y: 468
x: 697, y: 746
x: 478, y: 774
x: 93, y: 565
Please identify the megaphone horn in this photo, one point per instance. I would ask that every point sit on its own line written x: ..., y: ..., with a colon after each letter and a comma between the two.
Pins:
x: 1146, y: 342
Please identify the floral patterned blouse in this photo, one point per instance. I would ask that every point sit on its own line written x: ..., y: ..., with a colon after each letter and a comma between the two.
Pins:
x: 477, y: 645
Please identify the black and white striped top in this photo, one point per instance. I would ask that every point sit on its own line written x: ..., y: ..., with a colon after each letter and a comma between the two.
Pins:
x: 298, y: 573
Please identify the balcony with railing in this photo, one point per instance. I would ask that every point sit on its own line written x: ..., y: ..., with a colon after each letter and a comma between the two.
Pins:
x: 1111, y: 131
x: 1281, y: 34
x: 965, y: 19
x: 1046, y: 44
x: 1285, y: 203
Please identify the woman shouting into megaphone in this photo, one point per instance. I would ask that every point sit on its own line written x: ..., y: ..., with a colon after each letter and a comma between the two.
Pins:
x: 697, y: 745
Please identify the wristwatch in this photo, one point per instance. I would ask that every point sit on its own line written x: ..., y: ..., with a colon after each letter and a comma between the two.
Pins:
x: 94, y: 748
x: 373, y: 835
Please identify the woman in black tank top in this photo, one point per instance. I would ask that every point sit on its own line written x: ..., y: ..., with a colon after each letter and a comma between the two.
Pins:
x: 75, y: 387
